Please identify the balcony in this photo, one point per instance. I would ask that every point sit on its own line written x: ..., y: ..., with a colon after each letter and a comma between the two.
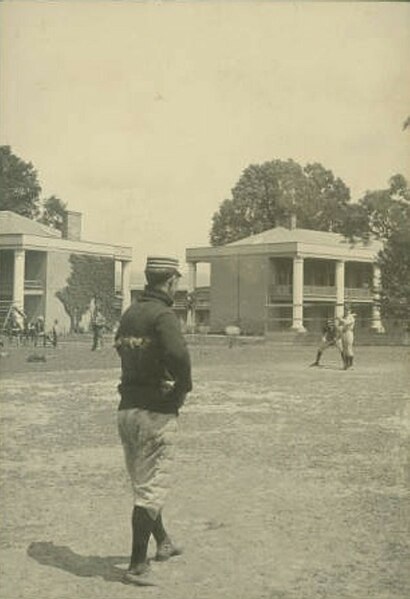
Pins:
x: 280, y: 291
x: 33, y: 284
x: 33, y: 287
x: 309, y: 291
x: 117, y: 301
x: 358, y: 293
x: 319, y: 292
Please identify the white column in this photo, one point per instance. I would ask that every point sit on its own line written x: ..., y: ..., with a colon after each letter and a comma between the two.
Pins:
x: 340, y: 288
x: 376, y: 325
x: 297, y: 324
x: 190, y: 317
x: 191, y: 276
x: 125, y: 284
x: 18, y: 278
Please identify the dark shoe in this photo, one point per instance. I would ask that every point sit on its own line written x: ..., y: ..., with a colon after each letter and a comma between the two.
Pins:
x: 138, y: 575
x: 314, y: 364
x: 165, y: 550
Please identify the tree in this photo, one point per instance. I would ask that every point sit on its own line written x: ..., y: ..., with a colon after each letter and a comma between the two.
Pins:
x: 19, y: 186
x: 20, y: 191
x: 327, y: 202
x: 384, y: 214
x: 267, y: 194
x: 53, y: 212
x: 379, y: 213
x: 392, y: 220
x: 91, y: 278
x: 394, y: 262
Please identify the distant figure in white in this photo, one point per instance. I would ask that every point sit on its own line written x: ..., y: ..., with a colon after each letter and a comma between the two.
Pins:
x: 347, y: 324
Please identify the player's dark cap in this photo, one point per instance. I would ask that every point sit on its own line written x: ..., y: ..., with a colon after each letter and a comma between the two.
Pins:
x: 162, y: 265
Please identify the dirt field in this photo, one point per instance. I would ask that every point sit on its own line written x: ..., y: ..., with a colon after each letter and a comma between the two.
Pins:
x: 291, y: 481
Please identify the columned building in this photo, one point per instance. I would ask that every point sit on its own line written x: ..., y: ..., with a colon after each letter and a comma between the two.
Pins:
x: 37, y: 261
x: 289, y: 279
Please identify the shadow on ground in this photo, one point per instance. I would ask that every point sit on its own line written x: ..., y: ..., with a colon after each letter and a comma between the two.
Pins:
x: 62, y: 557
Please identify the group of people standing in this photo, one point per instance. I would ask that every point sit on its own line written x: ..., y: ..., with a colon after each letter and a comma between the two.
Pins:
x: 17, y: 327
x: 339, y: 333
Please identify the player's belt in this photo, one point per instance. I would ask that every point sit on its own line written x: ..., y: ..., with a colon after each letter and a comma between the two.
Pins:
x: 132, y: 342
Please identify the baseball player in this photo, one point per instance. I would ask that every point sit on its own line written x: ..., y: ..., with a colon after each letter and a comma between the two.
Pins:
x: 347, y: 326
x: 331, y: 337
x: 97, y: 324
x: 156, y: 376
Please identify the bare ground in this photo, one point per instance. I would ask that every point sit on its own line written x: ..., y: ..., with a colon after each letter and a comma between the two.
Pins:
x: 292, y: 482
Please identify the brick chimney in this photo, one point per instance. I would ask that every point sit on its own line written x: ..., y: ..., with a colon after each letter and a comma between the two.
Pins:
x: 72, y: 225
x: 292, y: 221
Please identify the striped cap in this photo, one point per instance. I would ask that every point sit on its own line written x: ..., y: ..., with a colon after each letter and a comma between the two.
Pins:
x: 162, y: 264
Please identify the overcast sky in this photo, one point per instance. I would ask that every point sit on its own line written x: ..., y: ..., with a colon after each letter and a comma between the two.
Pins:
x: 144, y: 116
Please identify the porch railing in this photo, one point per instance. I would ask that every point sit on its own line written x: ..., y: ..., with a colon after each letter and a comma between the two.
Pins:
x: 358, y: 293
x: 33, y: 284
x: 319, y: 291
x: 277, y: 292
x: 280, y: 291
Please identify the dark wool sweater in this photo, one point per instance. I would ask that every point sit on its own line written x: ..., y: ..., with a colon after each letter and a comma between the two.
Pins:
x: 156, y: 368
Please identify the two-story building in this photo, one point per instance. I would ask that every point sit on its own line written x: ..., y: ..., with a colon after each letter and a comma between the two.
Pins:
x: 36, y: 263
x: 289, y: 279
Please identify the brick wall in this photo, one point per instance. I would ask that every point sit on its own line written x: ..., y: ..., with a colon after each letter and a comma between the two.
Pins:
x: 238, y: 292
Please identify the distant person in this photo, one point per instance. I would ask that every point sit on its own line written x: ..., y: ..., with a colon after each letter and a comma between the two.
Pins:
x: 98, y: 324
x: 39, y: 331
x: 26, y: 330
x: 156, y: 376
x: 15, y: 325
x: 331, y: 337
x: 54, y: 334
x: 347, y: 328
x: 31, y: 332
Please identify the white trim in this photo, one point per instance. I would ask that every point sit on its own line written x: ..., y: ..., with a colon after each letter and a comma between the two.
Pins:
x: 290, y: 250
x: 47, y: 244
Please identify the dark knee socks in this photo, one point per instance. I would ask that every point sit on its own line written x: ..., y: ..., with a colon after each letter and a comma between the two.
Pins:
x: 348, y: 361
x: 142, y: 525
x: 158, y: 530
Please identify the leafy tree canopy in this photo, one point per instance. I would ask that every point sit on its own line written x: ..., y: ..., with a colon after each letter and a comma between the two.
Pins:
x: 388, y: 213
x: 385, y: 214
x: 394, y: 262
x: 20, y: 191
x: 53, y: 212
x: 267, y: 194
x: 19, y: 186
x: 379, y: 213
